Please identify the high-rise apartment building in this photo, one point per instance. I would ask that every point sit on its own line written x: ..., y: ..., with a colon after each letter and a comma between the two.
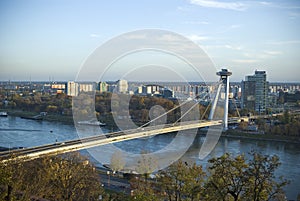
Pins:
x: 72, y: 88
x: 255, y: 92
x: 122, y: 86
x: 103, y: 87
x: 87, y: 86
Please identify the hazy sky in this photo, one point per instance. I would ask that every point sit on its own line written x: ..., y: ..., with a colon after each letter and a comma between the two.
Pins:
x: 42, y: 39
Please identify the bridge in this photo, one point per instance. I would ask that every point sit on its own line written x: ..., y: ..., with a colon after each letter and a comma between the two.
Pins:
x: 103, y: 139
x: 140, y: 132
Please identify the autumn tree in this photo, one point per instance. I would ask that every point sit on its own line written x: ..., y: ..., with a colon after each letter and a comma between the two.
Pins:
x: 9, y: 184
x: 73, y: 178
x: 144, y: 189
x: 66, y: 177
x: 243, y: 125
x: 180, y: 181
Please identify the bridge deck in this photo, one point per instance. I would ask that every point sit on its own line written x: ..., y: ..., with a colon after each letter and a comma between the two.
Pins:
x: 98, y: 140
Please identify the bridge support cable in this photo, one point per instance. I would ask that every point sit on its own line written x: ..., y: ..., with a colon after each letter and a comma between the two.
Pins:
x: 185, y: 102
x: 215, y: 101
x: 202, y: 117
x: 178, y: 106
x: 237, y: 110
x: 194, y: 106
x: 185, y: 113
x: 205, y: 111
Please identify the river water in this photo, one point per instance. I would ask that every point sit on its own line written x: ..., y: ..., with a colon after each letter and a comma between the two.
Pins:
x: 17, y: 132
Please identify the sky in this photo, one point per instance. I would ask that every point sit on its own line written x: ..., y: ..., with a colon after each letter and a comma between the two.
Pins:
x: 52, y: 39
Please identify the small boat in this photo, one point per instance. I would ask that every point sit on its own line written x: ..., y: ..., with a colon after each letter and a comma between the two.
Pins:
x: 91, y: 123
x: 36, y: 117
x: 3, y: 114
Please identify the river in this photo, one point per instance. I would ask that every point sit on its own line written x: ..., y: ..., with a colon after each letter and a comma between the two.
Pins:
x: 18, y: 132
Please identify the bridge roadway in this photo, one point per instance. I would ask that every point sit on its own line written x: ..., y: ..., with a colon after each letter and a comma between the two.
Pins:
x: 98, y: 140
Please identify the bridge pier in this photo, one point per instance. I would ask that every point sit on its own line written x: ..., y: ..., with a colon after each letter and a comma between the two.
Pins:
x: 224, y: 76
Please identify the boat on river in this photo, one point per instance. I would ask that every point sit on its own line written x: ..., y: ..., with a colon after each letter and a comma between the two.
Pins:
x: 91, y: 123
x: 36, y: 117
x: 3, y: 114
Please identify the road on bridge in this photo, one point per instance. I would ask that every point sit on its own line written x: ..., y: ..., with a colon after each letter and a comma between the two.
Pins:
x: 98, y: 140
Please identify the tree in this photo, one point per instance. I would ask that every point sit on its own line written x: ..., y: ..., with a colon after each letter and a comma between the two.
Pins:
x: 117, y: 161
x: 227, y: 180
x: 179, y: 181
x: 144, y: 189
x: 73, y: 178
x: 145, y: 115
x: 243, y: 125
x: 9, y: 184
x: 261, y: 178
x: 232, y: 178
x: 182, y: 182
x: 146, y: 164
x: 66, y: 177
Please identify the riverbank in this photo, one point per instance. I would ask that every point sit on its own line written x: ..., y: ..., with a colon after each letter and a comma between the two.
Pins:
x: 258, y: 136
x: 66, y: 119
x: 49, y: 117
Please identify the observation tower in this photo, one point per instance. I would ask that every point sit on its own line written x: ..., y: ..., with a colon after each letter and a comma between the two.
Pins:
x: 224, y: 79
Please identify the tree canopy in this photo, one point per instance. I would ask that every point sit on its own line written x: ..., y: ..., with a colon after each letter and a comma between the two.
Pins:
x: 72, y: 177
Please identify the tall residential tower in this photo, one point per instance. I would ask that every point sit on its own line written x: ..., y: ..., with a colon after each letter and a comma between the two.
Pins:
x: 255, y: 92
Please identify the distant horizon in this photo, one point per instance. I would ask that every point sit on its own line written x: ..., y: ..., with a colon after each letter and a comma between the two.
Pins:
x: 54, y: 39
x: 65, y: 81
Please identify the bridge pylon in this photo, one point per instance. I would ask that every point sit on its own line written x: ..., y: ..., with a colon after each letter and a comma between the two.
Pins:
x: 224, y: 77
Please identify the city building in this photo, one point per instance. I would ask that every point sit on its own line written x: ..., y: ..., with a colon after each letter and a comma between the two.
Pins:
x: 72, y: 88
x: 122, y: 86
x: 154, y: 90
x: 103, y: 87
x: 87, y: 86
x: 58, y: 88
x: 255, y: 92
